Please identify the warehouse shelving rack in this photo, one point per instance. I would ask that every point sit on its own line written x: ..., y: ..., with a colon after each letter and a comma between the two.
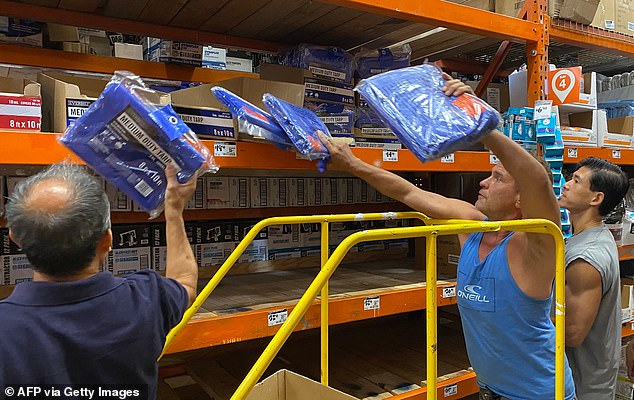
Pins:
x: 359, y: 21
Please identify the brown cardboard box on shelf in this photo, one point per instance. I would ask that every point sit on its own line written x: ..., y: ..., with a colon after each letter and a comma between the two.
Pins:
x: 488, y: 5
x: 623, y: 126
x: 287, y: 385
x: 62, y: 33
x: 195, y: 103
x: 20, y: 105
x: 282, y: 73
x: 581, y: 11
x: 624, y: 17
x: 496, y: 94
x: 605, y: 17
x: 65, y: 98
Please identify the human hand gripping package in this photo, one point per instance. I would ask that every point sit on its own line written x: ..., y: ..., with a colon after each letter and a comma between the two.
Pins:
x: 411, y: 102
x: 129, y: 136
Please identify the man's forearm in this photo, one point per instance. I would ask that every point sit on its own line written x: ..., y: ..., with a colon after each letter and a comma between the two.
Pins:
x: 181, y: 263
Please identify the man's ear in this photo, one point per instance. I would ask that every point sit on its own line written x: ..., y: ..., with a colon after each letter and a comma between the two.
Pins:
x: 597, y: 199
x: 13, y: 238
x: 105, y: 243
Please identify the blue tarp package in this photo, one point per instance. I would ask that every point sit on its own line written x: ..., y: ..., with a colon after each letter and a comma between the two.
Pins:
x: 251, y: 119
x: 338, y: 118
x: 332, y: 63
x: 301, y: 126
x: 129, y: 139
x: 373, y: 62
x: 411, y: 102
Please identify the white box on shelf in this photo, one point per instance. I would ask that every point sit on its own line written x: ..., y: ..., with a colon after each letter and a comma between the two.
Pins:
x: 587, y: 124
x: 119, y: 201
x: 214, y: 57
x: 198, y: 200
x: 239, y: 192
x: 218, y: 193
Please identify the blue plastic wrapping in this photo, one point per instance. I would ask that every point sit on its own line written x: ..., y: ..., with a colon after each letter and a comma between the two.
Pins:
x: 301, y: 126
x: 129, y: 139
x: 332, y: 63
x: 252, y: 119
x: 373, y: 62
x: 411, y: 102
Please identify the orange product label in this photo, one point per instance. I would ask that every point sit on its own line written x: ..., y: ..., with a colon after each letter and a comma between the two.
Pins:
x: 468, y: 104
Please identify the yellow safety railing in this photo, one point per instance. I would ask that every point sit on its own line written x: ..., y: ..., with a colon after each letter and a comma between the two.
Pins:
x: 324, y: 220
x: 448, y: 227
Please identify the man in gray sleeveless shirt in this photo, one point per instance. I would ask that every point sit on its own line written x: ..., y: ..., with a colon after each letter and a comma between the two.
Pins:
x: 593, y: 309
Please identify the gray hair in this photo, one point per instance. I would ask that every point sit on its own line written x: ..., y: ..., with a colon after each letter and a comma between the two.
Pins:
x: 61, y: 242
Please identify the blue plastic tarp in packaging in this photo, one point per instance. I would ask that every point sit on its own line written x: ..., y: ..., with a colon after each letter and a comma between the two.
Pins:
x: 251, y: 119
x: 411, y: 102
x: 301, y: 126
x: 129, y: 139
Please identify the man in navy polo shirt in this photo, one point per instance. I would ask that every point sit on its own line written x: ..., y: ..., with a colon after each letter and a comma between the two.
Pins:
x: 73, y: 324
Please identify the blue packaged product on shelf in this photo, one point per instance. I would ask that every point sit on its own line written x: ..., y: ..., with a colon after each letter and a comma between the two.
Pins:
x: 130, y: 140
x: 338, y: 123
x: 370, y: 63
x: 554, y: 149
x: 301, y: 126
x: 321, y: 90
x: 332, y: 63
x: 251, y: 119
x: 546, y: 130
x: 555, y: 161
x: 411, y: 102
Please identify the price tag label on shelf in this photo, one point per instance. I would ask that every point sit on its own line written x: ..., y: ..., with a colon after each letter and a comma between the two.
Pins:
x: 390, y: 155
x: 616, y: 153
x: 572, y: 152
x: 493, y: 159
x: 277, y: 317
x: 371, y: 303
x: 448, y: 159
x: 225, y: 149
x: 451, y: 390
x: 543, y: 109
x: 448, y: 292
x: 632, y: 326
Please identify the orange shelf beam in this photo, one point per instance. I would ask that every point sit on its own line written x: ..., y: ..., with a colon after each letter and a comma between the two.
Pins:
x: 43, y: 149
x: 626, y: 252
x: 573, y: 155
x: 47, y: 58
x: 75, y: 18
x: 203, y: 332
x: 627, y: 329
x: 451, y: 16
x: 589, y: 37
x: 456, y: 387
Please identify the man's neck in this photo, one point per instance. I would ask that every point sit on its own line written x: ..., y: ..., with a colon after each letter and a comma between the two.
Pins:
x: 83, y: 274
x: 586, y: 219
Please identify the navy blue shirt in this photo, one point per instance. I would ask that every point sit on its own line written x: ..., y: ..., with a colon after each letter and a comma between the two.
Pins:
x: 100, y: 330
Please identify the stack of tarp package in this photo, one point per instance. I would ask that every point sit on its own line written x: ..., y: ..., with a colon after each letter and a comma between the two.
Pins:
x: 130, y: 135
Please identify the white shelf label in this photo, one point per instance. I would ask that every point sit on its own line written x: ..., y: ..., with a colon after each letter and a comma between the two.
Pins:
x: 572, y: 152
x: 390, y: 155
x: 493, y: 159
x: 225, y: 149
x: 277, y: 317
x: 451, y: 390
x: 448, y: 292
x: 448, y: 159
x: 371, y: 303
x: 616, y: 153
x: 543, y: 109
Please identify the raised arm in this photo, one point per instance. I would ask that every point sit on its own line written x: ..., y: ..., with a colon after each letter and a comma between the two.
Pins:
x: 181, y: 263
x: 536, y: 192
x: 392, y: 185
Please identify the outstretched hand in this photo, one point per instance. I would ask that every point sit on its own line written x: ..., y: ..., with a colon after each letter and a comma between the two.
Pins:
x: 177, y: 195
x: 341, y: 157
x: 455, y: 87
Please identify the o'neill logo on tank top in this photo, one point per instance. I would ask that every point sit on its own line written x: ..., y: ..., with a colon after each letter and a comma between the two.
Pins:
x: 473, y: 293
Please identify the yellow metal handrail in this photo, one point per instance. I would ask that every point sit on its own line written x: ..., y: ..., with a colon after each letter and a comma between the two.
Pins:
x: 324, y: 220
x: 448, y: 227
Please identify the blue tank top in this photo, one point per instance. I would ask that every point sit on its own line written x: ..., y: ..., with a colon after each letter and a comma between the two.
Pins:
x: 509, y: 336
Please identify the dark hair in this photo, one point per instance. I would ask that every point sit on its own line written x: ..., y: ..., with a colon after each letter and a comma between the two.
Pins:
x: 607, y: 178
x: 62, y: 242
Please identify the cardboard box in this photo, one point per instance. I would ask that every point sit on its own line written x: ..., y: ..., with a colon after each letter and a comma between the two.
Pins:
x: 284, y: 241
x: 218, y: 195
x: 581, y: 11
x: 119, y: 201
x: 257, y: 250
x: 586, y: 137
x: 287, y: 385
x: 214, y: 57
x: 214, y: 242
x: 173, y: 52
x: 14, y: 265
x: 496, y: 94
x: 239, y: 192
x: 627, y: 234
x: 448, y: 255
x: 20, y: 31
x: 20, y: 105
x: 488, y: 5
x: 198, y: 200
x: 605, y: 17
x: 62, y: 33
x: 130, y: 249
x: 624, y: 17
x: 627, y: 303
x: 127, y: 50
x: 66, y: 98
x: 239, y: 64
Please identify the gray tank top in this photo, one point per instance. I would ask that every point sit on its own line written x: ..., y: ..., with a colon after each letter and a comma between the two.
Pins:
x: 595, y: 363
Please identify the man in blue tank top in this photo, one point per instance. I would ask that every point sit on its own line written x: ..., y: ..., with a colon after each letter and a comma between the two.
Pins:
x: 76, y: 327
x: 504, y: 279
